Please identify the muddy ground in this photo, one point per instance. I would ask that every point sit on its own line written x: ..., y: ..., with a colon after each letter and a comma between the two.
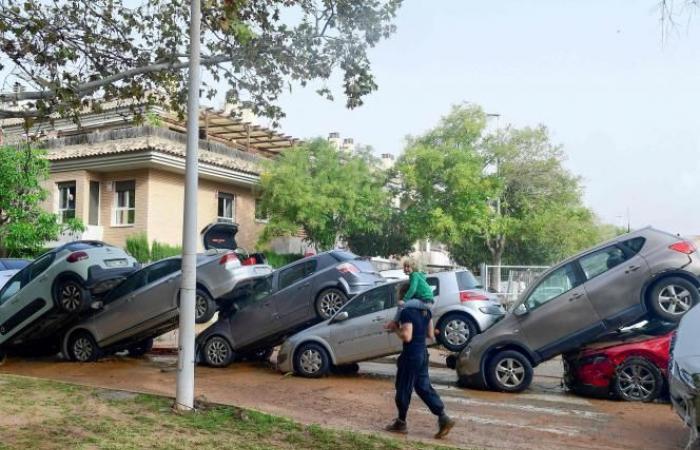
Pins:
x: 544, y: 417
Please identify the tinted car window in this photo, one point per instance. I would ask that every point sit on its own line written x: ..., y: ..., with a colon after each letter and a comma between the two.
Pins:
x: 435, y: 284
x: 163, y: 269
x: 135, y: 281
x: 76, y: 246
x: 40, y: 265
x: 466, y: 280
x: 293, y: 274
x: 370, y: 302
x: 635, y: 245
x: 553, y: 285
x: 601, y: 261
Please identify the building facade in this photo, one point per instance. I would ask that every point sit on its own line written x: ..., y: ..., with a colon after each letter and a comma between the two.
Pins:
x: 121, y: 179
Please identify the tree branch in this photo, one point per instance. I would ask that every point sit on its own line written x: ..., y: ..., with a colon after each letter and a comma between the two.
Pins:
x: 92, y: 86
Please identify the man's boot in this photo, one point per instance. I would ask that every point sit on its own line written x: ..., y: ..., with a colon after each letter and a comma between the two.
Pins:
x: 397, y: 426
x: 445, y: 424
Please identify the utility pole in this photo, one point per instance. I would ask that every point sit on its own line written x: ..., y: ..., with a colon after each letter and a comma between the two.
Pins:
x: 184, y: 399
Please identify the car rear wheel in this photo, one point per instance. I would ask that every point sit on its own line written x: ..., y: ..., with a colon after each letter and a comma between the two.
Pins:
x: 311, y: 361
x: 329, y: 302
x: 672, y: 297
x: 83, y: 348
x: 218, y: 352
x: 638, y: 380
x: 71, y: 296
x: 456, y: 330
x: 205, y: 307
x: 141, y: 348
x: 509, y: 371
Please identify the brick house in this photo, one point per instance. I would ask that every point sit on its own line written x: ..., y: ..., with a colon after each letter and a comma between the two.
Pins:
x: 121, y: 178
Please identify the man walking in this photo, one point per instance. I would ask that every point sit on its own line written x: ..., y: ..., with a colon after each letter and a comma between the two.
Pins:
x: 415, y: 326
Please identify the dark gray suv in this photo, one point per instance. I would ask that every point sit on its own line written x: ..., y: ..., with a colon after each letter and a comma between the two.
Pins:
x: 261, y: 312
x: 647, y: 273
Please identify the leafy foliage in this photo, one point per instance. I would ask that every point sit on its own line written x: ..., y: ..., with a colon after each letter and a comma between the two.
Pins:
x: 24, y: 226
x: 138, y: 246
x: 160, y: 250
x: 392, y: 237
x: 325, y: 193
x: 70, y: 52
x: 277, y: 260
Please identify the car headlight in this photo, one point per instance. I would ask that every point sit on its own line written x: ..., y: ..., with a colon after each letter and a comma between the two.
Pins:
x: 492, y: 310
x: 693, y: 381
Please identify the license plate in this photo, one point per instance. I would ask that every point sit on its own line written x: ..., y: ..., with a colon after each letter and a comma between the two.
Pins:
x: 116, y: 262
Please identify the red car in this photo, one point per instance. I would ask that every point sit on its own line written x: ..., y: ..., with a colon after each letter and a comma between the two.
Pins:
x: 631, y: 365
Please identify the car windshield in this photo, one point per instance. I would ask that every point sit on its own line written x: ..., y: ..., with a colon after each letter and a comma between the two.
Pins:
x: 251, y: 292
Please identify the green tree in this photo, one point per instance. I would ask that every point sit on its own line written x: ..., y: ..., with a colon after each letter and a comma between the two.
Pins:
x: 444, y: 193
x: 391, y: 237
x: 24, y: 226
x: 327, y: 194
x: 65, y: 54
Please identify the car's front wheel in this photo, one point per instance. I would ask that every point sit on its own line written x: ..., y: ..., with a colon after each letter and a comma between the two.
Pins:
x: 456, y: 330
x: 638, y: 380
x: 311, y: 361
x: 141, y: 348
x: 509, y: 371
x: 71, y: 296
x: 672, y: 297
x: 83, y: 348
x: 205, y: 307
x: 218, y: 352
x: 329, y: 302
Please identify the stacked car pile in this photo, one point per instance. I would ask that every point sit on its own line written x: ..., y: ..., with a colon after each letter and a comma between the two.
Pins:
x: 88, y: 298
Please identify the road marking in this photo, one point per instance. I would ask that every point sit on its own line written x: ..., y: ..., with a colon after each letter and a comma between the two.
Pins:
x: 561, y: 430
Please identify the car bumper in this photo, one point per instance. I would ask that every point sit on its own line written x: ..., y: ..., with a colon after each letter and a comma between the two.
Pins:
x: 284, y: 359
x: 469, y: 371
x: 686, y: 401
x: 239, y: 274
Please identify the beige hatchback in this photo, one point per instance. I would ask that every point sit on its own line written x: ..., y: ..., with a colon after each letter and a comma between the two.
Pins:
x: 647, y: 273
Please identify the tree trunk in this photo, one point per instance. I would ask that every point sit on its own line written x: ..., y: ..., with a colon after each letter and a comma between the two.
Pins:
x: 495, y: 275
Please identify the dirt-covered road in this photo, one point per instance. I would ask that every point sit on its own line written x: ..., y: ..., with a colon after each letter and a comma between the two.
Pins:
x: 543, y: 418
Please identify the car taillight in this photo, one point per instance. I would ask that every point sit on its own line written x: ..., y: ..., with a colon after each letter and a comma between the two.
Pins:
x: 230, y: 259
x: 469, y: 296
x: 348, y: 268
x: 686, y: 247
x: 77, y: 256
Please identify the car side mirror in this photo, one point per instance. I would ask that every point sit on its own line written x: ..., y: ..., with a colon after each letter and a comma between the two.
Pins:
x: 97, y: 305
x: 521, y: 310
x: 342, y: 316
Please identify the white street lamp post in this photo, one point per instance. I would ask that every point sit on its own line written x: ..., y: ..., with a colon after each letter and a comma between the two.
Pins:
x: 184, y: 399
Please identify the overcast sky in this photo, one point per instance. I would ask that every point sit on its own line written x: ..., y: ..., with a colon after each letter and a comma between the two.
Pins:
x: 624, y: 105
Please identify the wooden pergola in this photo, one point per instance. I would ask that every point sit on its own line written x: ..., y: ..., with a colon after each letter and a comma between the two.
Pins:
x: 254, y: 138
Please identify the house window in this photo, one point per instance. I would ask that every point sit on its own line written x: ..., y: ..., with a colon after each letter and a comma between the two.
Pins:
x: 260, y: 215
x: 124, y: 202
x: 94, y: 212
x: 227, y: 207
x: 66, y: 201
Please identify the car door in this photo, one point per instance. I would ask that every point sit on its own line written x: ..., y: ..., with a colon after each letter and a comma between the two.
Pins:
x: 558, y: 315
x: 293, y: 298
x: 615, y: 276
x: 362, y: 334
x: 25, y: 297
x: 252, y: 320
x: 119, y: 312
x: 159, y: 295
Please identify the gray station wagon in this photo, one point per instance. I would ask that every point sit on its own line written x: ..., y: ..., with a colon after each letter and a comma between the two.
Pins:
x: 646, y: 273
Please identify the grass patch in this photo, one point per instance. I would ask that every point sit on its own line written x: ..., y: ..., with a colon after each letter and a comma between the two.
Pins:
x: 41, y: 414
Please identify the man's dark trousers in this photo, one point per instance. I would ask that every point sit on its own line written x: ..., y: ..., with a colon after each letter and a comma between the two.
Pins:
x: 413, y: 374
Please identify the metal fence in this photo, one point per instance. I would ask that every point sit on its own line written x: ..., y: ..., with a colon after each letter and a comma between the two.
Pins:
x: 512, y: 280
